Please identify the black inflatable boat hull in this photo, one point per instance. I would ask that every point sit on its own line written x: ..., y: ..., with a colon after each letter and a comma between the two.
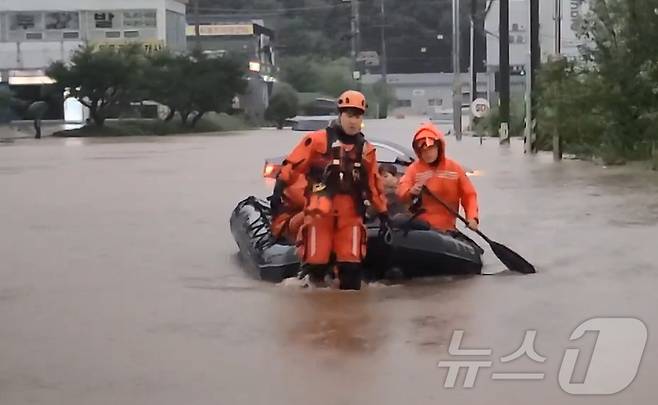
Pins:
x: 418, y: 253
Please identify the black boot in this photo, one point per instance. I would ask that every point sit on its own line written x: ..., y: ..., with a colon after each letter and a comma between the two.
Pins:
x: 349, y: 275
x: 316, y: 273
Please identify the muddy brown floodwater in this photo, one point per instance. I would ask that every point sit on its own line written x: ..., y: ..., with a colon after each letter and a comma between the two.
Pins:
x: 120, y: 284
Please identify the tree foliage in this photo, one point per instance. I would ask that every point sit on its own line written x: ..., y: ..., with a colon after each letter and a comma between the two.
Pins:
x: 101, y: 79
x: 190, y: 85
x: 605, y: 102
x: 193, y: 85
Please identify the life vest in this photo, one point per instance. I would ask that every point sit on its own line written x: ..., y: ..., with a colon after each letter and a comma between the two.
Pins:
x: 339, y: 171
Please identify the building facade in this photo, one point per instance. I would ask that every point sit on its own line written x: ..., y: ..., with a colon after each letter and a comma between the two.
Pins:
x: 427, y: 94
x: 35, y: 33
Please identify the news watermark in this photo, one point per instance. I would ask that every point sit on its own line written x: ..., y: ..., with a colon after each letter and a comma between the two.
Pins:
x: 613, y: 366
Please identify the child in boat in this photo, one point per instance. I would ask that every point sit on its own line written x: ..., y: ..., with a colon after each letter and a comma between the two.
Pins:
x: 390, y: 180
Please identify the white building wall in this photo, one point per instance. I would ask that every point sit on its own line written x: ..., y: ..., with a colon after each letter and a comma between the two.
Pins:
x: 17, y: 52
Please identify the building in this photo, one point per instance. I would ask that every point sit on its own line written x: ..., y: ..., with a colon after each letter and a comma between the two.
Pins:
x: 35, y: 33
x: 249, y: 41
x: 427, y: 93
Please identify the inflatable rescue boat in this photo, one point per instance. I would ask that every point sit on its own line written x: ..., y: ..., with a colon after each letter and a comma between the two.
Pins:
x: 415, y: 252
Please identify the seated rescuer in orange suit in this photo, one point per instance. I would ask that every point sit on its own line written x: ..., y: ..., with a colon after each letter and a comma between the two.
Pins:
x: 443, y: 177
x: 341, y: 170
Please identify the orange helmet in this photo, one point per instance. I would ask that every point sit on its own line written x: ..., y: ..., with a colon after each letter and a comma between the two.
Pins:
x: 352, y: 99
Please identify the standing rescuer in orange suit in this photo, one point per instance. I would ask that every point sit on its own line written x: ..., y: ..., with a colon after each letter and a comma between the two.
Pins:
x: 444, y: 177
x: 340, y: 168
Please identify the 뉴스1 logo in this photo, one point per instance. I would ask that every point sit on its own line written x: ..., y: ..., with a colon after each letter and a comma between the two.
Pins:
x: 613, y: 366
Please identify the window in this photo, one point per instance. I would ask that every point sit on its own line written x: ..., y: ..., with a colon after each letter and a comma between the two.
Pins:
x: 403, y: 103
x: 70, y: 35
x: 136, y: 19
x: 25, y: 21
x: 515, y: 27
x: 520, y: 39
x: 113, y: 34
x: 62, y: 21
x: 33, y: 35
x: 435, y: 101
x: 104, y: 20
x: 131, y: 34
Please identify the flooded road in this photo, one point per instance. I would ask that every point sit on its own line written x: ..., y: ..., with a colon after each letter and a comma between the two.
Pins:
x: 119, y: 281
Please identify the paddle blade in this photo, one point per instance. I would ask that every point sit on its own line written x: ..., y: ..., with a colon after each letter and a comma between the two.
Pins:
x: 511, y: 259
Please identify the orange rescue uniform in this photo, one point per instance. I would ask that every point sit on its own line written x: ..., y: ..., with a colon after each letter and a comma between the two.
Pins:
x: 287, y: 223
x: 333, y: 218
x: 448, y: 181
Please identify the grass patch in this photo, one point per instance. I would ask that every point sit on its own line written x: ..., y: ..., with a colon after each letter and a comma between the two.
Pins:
x: 210, y: 123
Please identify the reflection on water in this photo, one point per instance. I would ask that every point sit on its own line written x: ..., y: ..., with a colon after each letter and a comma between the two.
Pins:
x: 345, y: 322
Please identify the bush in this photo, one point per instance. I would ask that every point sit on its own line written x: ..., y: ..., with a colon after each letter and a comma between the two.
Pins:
x: 284, y: 104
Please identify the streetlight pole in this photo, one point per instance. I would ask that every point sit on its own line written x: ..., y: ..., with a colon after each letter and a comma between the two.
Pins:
x: 456, y: 66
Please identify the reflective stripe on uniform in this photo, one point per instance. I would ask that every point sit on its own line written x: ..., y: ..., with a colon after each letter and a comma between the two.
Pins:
x: 313, y: 241
x: 445, y: 174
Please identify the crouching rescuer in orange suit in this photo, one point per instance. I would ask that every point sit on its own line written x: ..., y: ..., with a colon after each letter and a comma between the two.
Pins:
x: 443, y: 177
x: 288, y: 210
x: 340, y: 169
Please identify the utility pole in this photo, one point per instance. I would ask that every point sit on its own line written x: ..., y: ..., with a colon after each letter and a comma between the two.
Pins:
x: 197, y: 33
x: 456, y: 66
x: 384, y: 59
x: 355, y: 42
x: 504, y: 72
x: 474, y: 50
x: 474, y: 76
x: 557, y: 147
x: 535, y: 61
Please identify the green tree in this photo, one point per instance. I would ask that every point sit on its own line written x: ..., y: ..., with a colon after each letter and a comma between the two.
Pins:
x: 192, y: 85
x: 101, y: 79
x: 604, y: 104
x: 209, y: 84
x: 163, y: 81
x: 301, y: 73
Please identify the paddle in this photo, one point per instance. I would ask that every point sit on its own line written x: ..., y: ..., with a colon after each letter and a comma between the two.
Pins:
x: 507, y: 256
